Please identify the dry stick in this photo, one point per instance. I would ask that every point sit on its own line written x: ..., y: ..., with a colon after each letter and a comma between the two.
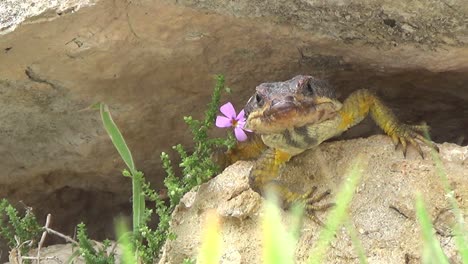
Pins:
x: 67, y: 238
x: 16, y: 252
x: 41, y: 242
x: 38, y: 258
x: 45, y: 258
x: 14, y: 256
x: 114, y: 247
x: 47, y: 230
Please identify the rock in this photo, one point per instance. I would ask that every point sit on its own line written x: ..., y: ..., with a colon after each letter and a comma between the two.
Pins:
x: 382, y: 209
x: 375, y: 22
x: 15, y: 12
x: 62, y: 253
x: 153, y: 62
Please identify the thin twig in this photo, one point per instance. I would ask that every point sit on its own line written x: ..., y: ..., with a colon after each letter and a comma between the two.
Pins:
x: 41, y: 242
x: 15, y: 256
x: 67, y: 238
x: 45, y: 258
x: 114, y: 247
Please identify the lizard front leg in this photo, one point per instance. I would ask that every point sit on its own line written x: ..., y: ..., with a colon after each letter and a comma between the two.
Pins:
x: 362, y: 102
x: 247, y: 150
x: 264, y: 177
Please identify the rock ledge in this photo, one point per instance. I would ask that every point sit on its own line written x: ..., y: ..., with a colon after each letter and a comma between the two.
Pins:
x: 382, y: 210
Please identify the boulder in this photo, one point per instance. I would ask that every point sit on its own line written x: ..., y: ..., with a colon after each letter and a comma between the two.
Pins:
x: 382, y: 211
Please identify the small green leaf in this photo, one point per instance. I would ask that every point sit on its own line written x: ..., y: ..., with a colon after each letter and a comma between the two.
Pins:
x: 126, y: 173
x: 116, y: 137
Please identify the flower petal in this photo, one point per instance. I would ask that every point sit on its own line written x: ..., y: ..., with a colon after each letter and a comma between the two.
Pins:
x: 228, y: 110
x: 240, y: 134
x: 222, y: 121
x: 241, y: 116
x: 241, y: 124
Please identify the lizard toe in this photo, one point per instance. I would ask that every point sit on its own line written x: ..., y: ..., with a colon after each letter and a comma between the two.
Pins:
x: 311, y: 203
x: 413, y: 135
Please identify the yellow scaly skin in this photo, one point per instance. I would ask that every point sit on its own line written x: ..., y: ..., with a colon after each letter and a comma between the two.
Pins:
x: 358, y: 105
x: 293, y: 116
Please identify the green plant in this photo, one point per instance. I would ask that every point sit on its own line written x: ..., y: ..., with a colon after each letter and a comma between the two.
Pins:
x: 356, y: 242
x: 144, y: 243
x: 21, y: 232
x: 189, y: 261
x: 279, y: 244
x: 197, y: 167
x: 128, y: 251
x: 138, y: 199
x: 92, y: 253
x: 432, y: 252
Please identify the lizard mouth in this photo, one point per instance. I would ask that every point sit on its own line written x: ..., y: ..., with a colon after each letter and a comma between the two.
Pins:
x: 278, y: 115
x: 278, y: 107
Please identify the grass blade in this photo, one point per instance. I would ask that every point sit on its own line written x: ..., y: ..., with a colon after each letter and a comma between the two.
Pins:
x: 432, y: 252
x: 356, y: 243
x: 116, y: 137
x: 138, y: 201
x: 211, y: 249
x: 460, y: 236
x: 337, y: 215
x: 278, y: 244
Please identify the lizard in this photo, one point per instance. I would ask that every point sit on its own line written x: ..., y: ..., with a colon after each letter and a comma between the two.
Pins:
x: 290, y: 117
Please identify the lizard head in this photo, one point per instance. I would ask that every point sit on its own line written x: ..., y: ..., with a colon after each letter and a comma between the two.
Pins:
x: 297, y: 102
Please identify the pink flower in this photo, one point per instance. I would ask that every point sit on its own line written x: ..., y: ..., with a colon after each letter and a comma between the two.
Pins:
x: 232, y: 120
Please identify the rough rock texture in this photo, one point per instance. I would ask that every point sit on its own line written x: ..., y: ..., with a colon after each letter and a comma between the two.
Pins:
x: 61, y: 254
x: 153, y: 62
x: 14, y: 12
x: 382, y: 210
x: 377, y: 22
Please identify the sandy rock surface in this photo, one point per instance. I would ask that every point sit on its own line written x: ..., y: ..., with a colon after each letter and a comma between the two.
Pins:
x: 15, y: 12
x: 60, y: 253
x: 382, y: 210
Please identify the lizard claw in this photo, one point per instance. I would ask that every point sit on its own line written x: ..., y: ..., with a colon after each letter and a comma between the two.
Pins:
x: 310, y: 200
x: 404, y: 134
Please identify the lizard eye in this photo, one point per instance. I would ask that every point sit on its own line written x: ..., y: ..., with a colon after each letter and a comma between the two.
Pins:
x: 308, y: 89
x: 259, y: 100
